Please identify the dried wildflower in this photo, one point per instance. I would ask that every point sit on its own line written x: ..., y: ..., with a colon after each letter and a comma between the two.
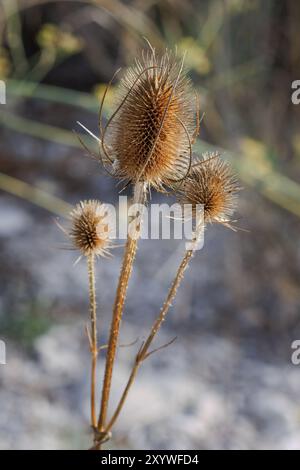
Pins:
x: 90, y: 232
x: 149, y: 136
x: 90, y: 229
x: 211, y: 184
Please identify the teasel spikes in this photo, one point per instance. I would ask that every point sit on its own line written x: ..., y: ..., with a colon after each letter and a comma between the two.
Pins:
x: 212, y: 184
x: 149, y: 136
x: 90, y: 228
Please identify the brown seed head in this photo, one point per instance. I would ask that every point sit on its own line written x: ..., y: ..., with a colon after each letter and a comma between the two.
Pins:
x: 150, y: 136
x: 211, y: 184
x: 90, y: 228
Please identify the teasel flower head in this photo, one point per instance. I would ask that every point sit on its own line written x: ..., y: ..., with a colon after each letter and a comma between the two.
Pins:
x: 149, y: 136
x: 212, y: 184
x: 90, y: 228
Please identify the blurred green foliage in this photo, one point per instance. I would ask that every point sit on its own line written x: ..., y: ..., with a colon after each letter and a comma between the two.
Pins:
x: 27, y: 324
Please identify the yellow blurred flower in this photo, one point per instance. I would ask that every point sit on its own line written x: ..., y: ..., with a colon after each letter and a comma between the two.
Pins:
x: 196, y: 57
x: 242, y: 6
x: 256, y: 155
x: 5, y: 65
x: 51, y: 37
x: 99, y: 90
x: 296, y: 144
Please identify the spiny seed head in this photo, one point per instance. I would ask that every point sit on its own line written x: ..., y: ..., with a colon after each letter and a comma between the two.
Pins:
x: 150, y: 136
x: 90, y: 229
x: 211, y: 184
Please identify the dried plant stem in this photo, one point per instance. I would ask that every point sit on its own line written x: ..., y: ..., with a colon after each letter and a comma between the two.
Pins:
x: 126, y: 269
x: 93, y: 335
x: 130, y: 251
x: 143, y: 353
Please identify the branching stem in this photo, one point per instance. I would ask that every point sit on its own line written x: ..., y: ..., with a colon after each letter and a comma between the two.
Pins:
x: 143, y: 352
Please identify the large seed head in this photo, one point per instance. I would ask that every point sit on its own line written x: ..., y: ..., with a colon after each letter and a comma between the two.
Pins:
x: 150, y: 136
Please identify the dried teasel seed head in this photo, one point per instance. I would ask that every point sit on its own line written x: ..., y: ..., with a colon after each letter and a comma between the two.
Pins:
x: 90, y: 228
x: 149, y: 137
x: 212, y: 184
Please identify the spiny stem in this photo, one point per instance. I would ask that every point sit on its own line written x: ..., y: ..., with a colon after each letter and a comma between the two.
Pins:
x: 143, y: 352
x: 126, y: 269
x: 93, y: 336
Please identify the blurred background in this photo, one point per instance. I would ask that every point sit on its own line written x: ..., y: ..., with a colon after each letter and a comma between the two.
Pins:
x: 228, y: 381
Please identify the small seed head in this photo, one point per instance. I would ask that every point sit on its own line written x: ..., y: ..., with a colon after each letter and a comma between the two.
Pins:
x: 90, y: 229
x: 212, y: 184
